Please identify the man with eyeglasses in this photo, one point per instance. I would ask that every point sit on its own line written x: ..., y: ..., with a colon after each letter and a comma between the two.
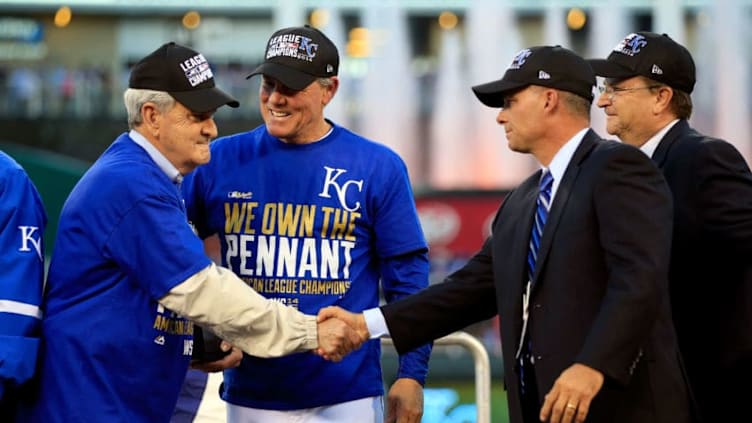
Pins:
x: 646, y: 98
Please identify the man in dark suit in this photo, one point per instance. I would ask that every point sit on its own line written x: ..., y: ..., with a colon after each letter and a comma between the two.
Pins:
x: 649, y: 79
x: 577, y: 268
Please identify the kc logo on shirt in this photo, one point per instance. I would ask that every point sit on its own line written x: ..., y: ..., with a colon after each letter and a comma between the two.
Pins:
x: 31, y: 238
x: 340, y: 189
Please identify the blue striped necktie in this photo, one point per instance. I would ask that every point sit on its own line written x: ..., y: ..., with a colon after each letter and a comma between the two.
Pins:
x: 541, y: 215
x: 524, y: 351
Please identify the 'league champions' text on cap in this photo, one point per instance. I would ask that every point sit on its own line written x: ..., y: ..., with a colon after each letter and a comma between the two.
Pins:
x: 183, y: 73
x: 654, y: 56
x: 297, y: 56
x: 547, y: 66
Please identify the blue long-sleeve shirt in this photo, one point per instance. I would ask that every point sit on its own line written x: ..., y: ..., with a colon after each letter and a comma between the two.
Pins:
x: 22, y: 223
x: 326, y: 223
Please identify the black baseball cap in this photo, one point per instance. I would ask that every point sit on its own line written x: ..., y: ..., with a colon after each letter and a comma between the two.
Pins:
x: 547, y: 66
x: 654, y: 56
x: 183, y: 73
x: 299, y: 55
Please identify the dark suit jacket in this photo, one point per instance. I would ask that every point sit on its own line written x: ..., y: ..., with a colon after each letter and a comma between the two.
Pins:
x: 711, y: 266
x: 600, y: 294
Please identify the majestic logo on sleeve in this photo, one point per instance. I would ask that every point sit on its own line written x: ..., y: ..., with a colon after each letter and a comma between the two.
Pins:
x: 340, y: 188
x: 168, y: 322
x: 631, y: 44
x: 31, y: 238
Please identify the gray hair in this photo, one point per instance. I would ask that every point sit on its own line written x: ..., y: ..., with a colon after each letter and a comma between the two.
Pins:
x: 325, y: 82
x: 135, y: 99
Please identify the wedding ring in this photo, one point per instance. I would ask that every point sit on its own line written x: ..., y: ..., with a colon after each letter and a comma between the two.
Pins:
x: 570, y: 405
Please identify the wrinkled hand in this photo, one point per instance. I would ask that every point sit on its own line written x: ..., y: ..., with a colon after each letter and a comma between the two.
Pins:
x: 570, y: 397
x: 354, y: 320
x: 404, y: 402
x: 227, y: 362
x: 336, y: 339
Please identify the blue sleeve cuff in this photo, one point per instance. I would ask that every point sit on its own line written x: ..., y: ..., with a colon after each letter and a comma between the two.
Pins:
x: 414, y: 364
x: 18, y: 359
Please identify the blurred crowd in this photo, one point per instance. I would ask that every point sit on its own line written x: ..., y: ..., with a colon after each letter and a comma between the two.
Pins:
x: 89, y: 92
x: 54, y: 91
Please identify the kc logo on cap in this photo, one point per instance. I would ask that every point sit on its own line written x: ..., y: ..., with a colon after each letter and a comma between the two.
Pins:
x: 297, y: 56
x: 631, y: 45
x: 520, y: 59
x: 292, y: 45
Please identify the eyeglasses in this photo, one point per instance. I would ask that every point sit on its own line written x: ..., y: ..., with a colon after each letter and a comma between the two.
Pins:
x: 611, y: 92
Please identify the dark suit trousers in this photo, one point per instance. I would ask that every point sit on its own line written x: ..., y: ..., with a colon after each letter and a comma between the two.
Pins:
x: 529, y: 394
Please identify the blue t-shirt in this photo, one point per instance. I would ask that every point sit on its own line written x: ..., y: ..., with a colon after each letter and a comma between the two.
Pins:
x: 111, y: 353
x: 311, y: 226
x: 22, y: 223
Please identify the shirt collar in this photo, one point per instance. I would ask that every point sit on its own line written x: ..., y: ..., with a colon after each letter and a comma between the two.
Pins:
x: 561, y: 160
x: 652, y: 143
x: 161, y: 161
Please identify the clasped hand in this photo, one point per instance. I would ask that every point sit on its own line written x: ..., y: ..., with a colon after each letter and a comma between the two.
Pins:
x: 340, y: 332
x: 232, y: 359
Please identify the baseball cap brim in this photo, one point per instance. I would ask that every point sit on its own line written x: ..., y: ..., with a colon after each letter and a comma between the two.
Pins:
x: 204, y: 100
x: 291, y: 78
x: 492, y: 93
x: 610, y: 69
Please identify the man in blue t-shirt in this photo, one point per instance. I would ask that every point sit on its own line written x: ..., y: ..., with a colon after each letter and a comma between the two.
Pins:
x: 128, y: 276
x: 22, y: 222
x: 311, y: 215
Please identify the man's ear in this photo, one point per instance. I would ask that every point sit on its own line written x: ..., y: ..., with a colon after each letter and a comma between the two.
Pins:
x: 151, y: 116
x: 552, y: 99
x: 331, y: 90
x: 663, y: 99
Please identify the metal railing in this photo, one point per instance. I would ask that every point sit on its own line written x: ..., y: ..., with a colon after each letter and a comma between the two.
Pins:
x: 482, y: 369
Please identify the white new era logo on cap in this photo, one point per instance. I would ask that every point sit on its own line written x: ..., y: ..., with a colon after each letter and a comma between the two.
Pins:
x: 656, y: 70
x: 543, y: 75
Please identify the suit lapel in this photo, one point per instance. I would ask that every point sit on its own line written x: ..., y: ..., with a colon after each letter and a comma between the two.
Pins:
x: 517, y: 262
x: 661, y: 152
x: 560, y: 200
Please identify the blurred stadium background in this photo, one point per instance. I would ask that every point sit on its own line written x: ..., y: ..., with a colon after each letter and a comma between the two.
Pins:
x: 407, y: 67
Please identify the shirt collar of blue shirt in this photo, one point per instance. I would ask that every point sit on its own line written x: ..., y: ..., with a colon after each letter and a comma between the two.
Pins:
x: 161, y: 161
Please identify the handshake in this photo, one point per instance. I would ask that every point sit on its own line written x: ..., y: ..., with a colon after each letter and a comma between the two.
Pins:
x: 339, y: 333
